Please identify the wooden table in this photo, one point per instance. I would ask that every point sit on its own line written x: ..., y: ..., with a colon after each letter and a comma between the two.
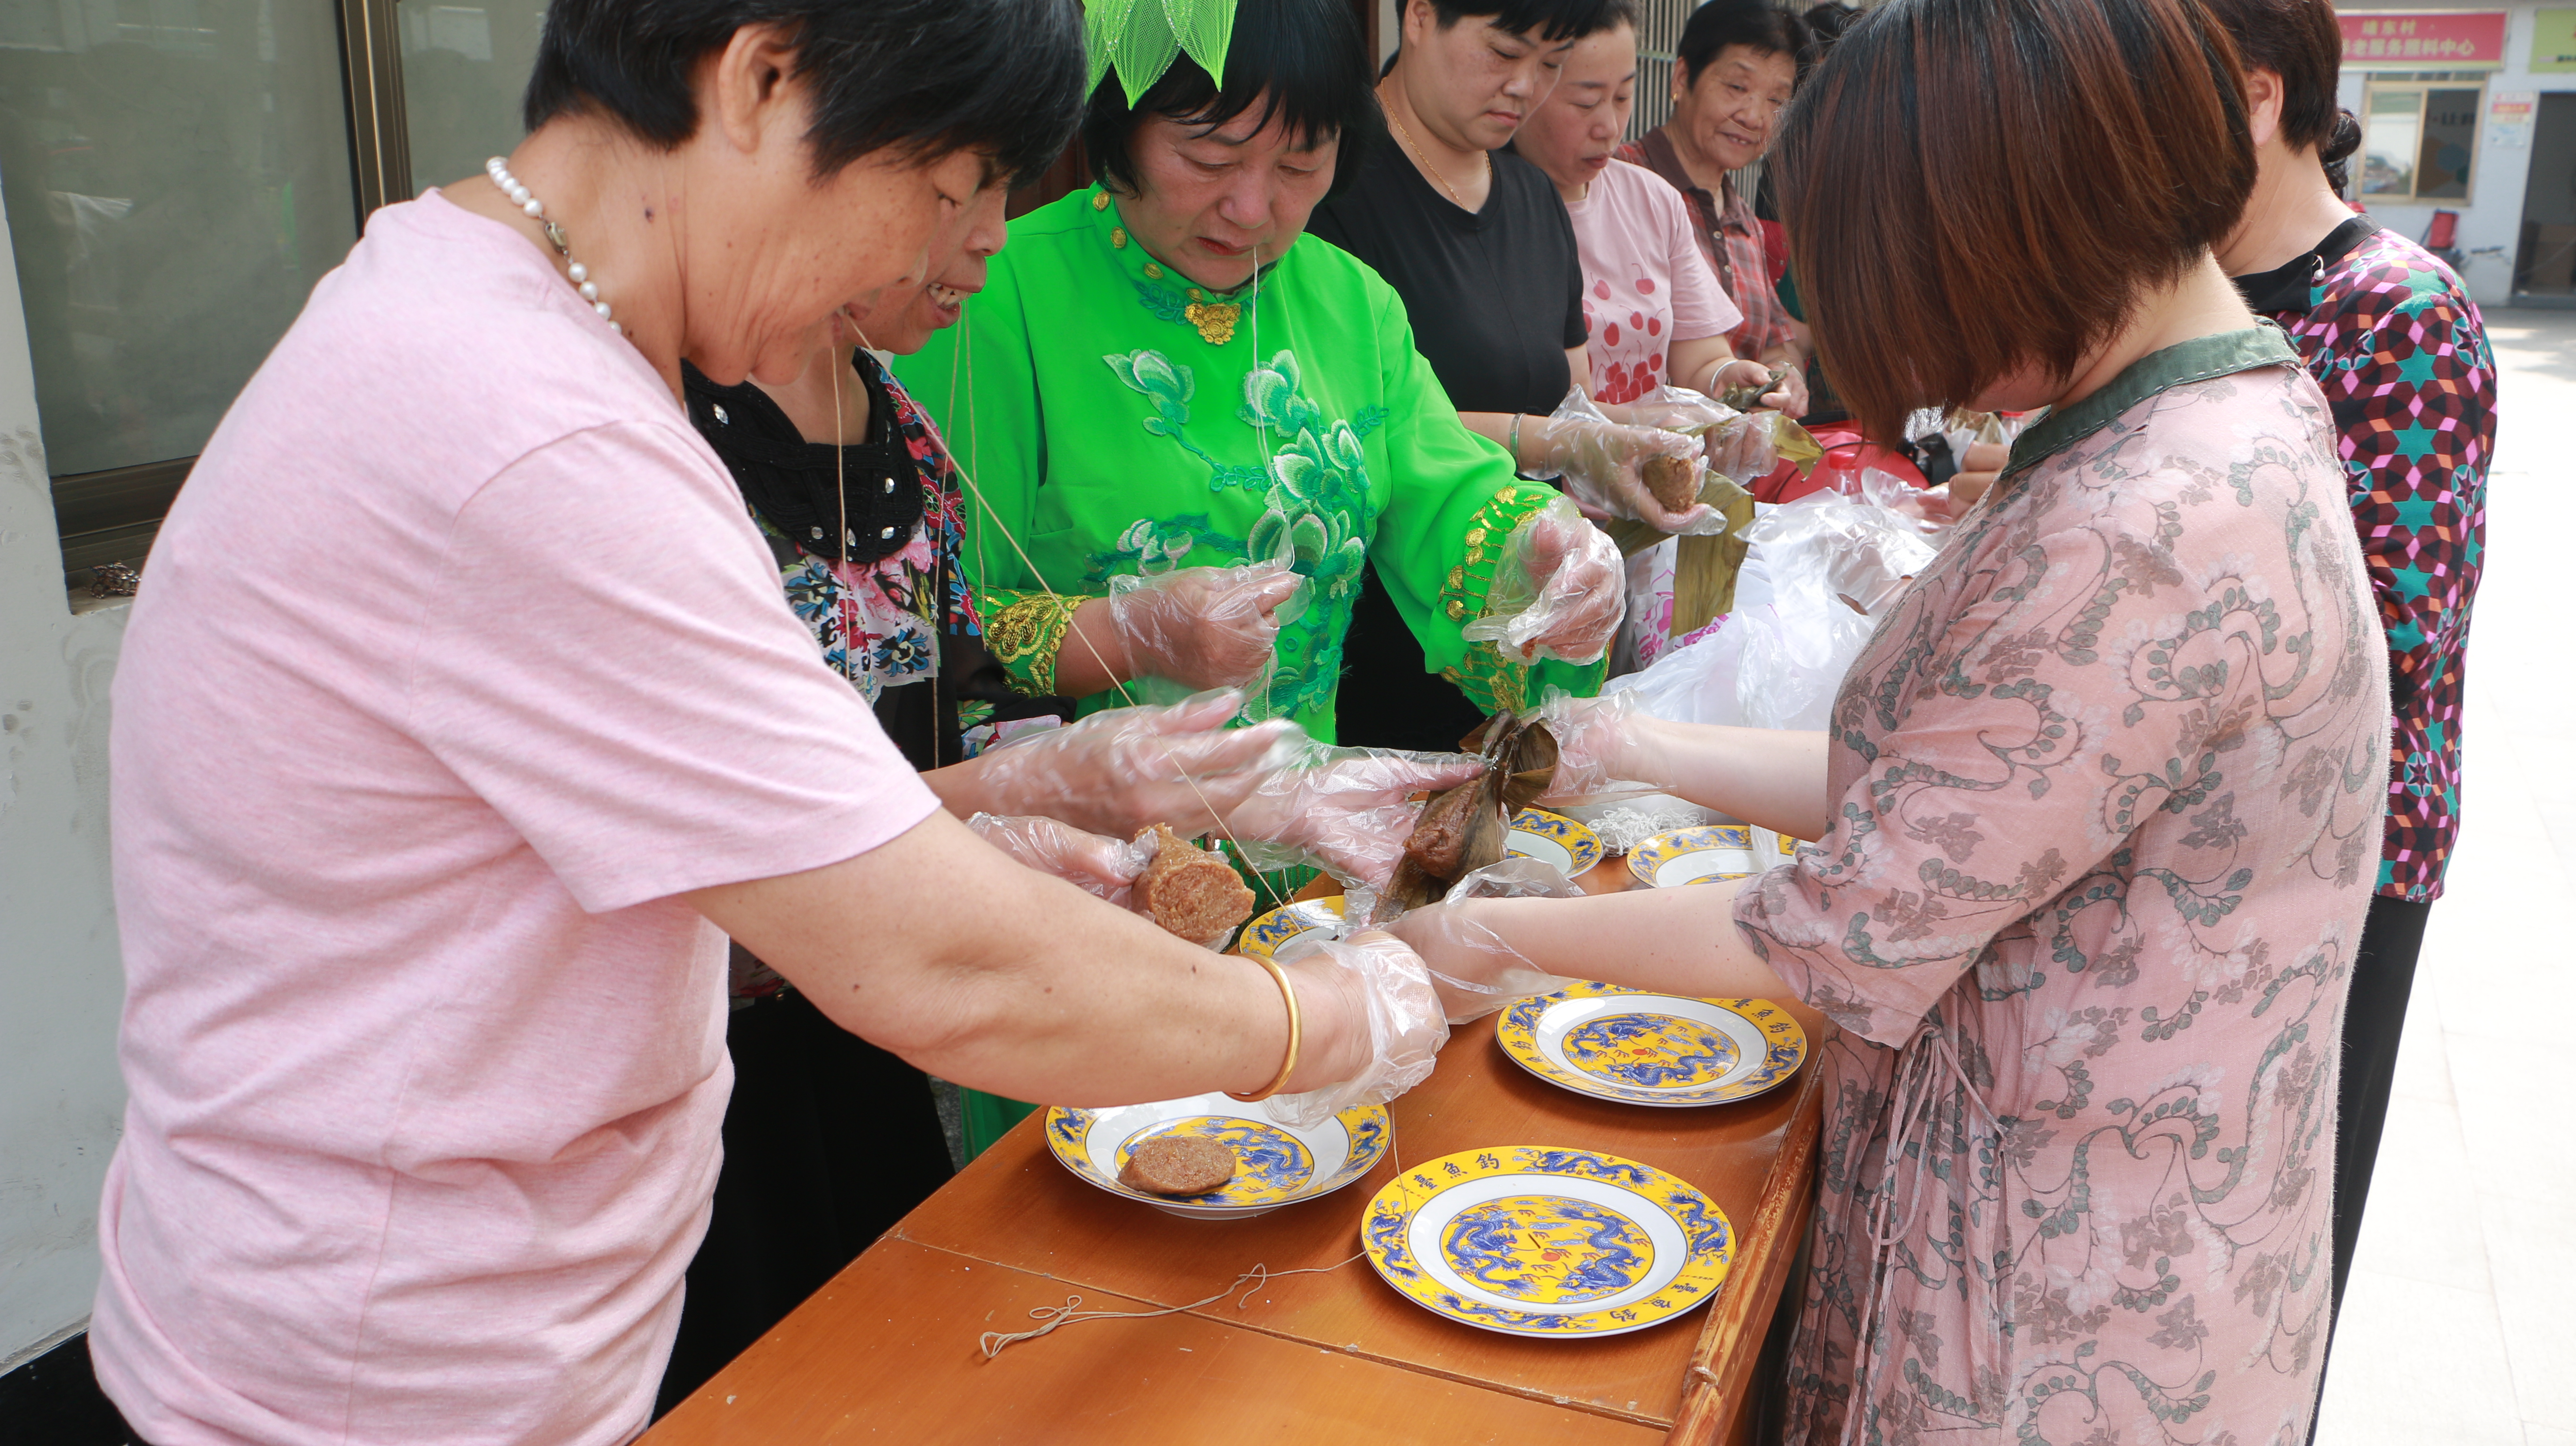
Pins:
x: 888, y: 1350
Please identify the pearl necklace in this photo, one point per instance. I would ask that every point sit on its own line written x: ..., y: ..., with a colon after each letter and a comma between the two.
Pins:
x: 499, y: 171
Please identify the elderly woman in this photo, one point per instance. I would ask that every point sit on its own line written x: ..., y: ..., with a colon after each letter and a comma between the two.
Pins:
x: 1654, y: 312
x: 1162, y: 375
x: 425, y: 957
x: 2095, y: 814
x: 1733, y: 73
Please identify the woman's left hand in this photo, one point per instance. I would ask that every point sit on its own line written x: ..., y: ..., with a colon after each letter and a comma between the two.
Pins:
x: 1475, y: 969
x: 1602, y: 464
x: 1789, y: 397
x: 1582, y: 590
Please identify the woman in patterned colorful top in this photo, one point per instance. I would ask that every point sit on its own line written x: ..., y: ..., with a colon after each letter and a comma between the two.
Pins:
x: 2391, y: 335
x: 1162, y: 376
x: 2096, y: 804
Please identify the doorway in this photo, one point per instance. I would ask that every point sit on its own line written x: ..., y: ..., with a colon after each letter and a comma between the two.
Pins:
x: 2545, y: 262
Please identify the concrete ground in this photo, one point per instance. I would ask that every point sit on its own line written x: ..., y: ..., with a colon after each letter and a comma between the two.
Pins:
x: 2460, y: 1322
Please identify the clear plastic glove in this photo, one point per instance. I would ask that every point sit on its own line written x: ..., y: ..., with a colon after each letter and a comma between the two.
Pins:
x: 1673, y: 409
x: 1746, y: 449
x: 1104, y: 867
x: 1559, y: 590
x: 1378, y: 980
x: 1474, y: 970
x: 1345, y: 810
x: 1602, y: 464
x: 1595, y: 742
x: 1121, y: 769
x: 1202, y: 627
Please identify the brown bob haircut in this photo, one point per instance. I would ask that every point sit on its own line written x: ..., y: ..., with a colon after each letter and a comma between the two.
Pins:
x: 1975, y: 186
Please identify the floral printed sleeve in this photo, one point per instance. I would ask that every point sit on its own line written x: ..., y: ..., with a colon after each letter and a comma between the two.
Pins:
x: 2107, y: 666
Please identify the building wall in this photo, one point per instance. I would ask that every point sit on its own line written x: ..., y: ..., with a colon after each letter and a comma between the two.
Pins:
x: 2493, y: 214
x: 61, y: 1098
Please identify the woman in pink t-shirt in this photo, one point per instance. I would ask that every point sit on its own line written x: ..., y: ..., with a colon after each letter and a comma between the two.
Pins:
x: 424, y: 890
x: 1656, y: 314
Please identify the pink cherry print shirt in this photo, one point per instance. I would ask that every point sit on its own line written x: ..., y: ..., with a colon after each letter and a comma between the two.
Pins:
x: 1645, y: 283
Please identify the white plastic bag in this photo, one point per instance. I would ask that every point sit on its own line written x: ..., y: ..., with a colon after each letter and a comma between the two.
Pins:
x: 1822, y: 569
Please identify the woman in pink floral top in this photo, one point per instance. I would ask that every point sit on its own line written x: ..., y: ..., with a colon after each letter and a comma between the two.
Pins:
x: 2097, y: 805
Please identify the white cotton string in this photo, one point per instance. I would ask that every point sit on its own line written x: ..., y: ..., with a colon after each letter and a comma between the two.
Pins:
x: 996, y: 1342
x: 1259, y: 878
x: 1913, y: 1102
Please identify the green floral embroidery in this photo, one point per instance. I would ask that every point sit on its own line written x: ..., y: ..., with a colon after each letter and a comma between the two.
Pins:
x: 1318, y: 509
x: 1163, y: 303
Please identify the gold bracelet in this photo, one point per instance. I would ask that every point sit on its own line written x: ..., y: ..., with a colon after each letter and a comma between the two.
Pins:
x: 1296, y: 1034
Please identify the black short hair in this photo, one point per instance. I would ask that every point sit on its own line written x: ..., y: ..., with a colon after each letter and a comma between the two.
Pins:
x: 1305, y: 63
x: 1759, y: 24
x: 1552, y: 19
x: 931, y: 76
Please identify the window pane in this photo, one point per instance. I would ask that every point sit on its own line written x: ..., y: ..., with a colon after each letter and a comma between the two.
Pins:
x: 2450, y: 138
x: 2389, y: 136
x: 464, y: 68
x: 177, y: 177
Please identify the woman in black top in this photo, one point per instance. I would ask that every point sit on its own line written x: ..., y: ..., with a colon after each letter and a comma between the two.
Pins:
x: 1478, y: 245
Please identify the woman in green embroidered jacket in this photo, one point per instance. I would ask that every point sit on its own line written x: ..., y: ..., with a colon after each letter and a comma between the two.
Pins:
x: 1161, y: 379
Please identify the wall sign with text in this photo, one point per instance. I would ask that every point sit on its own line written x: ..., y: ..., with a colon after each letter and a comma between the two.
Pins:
x: 2434, y: 40
x: 2553, y: 41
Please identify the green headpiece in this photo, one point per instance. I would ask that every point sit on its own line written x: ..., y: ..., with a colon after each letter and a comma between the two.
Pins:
x: 1143, y: 37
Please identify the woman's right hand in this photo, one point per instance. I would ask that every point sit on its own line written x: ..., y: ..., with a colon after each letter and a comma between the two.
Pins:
x: 1101, y: 866
x: 1201, y: 627
x: 1374, y: 1025
x: 1124, y: 768
x: 1602, y: 465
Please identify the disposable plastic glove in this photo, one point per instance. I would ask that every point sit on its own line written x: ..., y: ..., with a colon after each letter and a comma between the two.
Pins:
x: 1105, y: 867
x: 1346, y: 810
x: 1474, y: 971
x: 1559, y: 590
x: 1202, y: 627
x: 1378, y: 980
x: 1121, y: 769
x: 1601, y: 464
x: 1594, y: 738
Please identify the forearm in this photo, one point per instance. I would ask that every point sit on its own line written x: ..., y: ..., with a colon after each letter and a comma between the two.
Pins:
x: 1093, y: 659
x: 1037, y: 991
x: 1695, y: 363
x: 1766, y: 776
x: 1683, y: 941
x: 1504, y: 430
